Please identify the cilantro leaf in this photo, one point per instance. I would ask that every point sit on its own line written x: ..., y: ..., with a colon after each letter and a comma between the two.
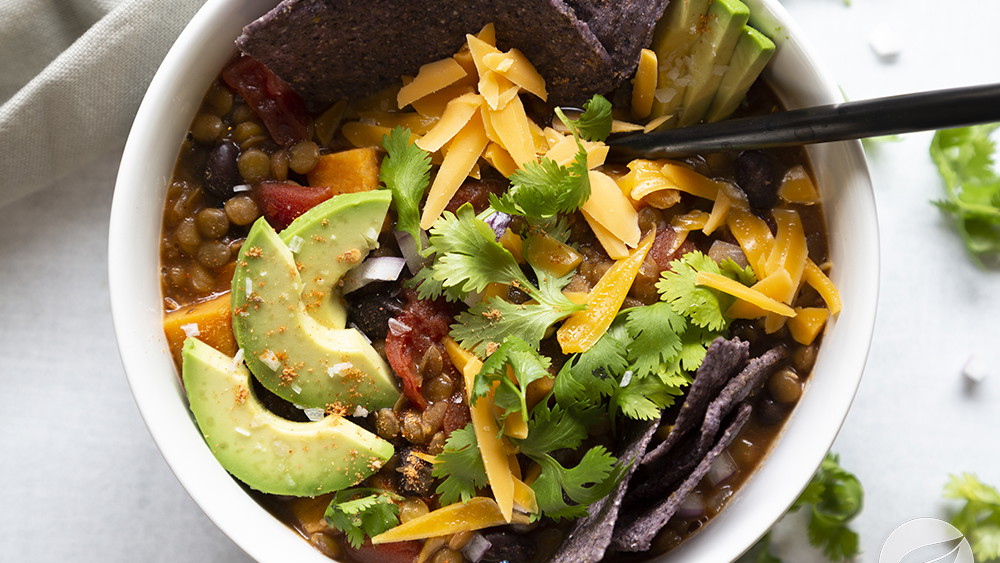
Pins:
x: 964, y: 157
x: 590, y: 480
x: 594, y: 374
x: 545, y: 188
x: 655, y: 331
x: 363, y: 512
x: 557, y: 427
x: 491, y: 322
x: 460, y: 464
x: 979, y: 517
x: 405, y: 171
x: 704, y: 306
x: 833, y: 497
x: 527, y: 366
x: 594, y: 124
x: 643, y: 398
x: 468, y: 255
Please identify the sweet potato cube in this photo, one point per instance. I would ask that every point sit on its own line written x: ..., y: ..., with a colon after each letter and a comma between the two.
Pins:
x: 209, y: 320
x: 354, y: 170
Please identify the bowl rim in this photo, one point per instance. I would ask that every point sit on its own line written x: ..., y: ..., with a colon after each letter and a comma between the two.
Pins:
x: 195, y: 59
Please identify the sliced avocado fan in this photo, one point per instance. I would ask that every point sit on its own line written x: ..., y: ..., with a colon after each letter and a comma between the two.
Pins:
x: 288, y: 315
x: 269, y: 453
x: 708, y: 57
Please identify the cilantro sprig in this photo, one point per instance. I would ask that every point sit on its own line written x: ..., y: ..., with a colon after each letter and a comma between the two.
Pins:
x: 979, y: 517
x: 363, y: 513
x: 964, y: 157
x: 405, y: 171
x: 833, y: 498
x: 703, y: 305
x: 594, y: 124
x: 526, y: 364
x: 467, y: 259
x: 460, y: 466
x: 566, y: 492
x: 545, y: 188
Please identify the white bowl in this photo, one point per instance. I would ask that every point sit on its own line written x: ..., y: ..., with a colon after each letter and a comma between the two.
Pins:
x: 160, y: 125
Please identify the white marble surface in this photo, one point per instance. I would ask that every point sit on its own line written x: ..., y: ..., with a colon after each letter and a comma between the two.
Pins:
x: 83, y: 481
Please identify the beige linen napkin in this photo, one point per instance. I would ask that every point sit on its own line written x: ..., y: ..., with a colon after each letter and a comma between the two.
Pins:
x: 72, y: 74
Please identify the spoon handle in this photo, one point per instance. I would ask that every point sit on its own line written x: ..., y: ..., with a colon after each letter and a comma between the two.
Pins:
x: 923, y: 111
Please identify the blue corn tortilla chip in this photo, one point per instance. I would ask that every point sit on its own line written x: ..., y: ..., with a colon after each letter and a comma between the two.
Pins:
x: 635, y: 532
x: 334, y: 49
x: 624, y: 27
x: 590, y: 536
x: 738, y: 388
x: 723, y: 359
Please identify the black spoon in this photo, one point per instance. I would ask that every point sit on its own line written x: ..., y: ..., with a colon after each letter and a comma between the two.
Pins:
x: 924, y: 111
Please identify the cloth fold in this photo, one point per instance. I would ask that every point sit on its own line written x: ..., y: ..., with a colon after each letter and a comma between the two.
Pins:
x: 74, y: 74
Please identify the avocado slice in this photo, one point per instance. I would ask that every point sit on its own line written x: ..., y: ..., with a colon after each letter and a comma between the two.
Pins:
x: 676, y: 32
x: 751, y: 55
x: 288, y: 316
x: 269, y: 453
x: 710, y: 56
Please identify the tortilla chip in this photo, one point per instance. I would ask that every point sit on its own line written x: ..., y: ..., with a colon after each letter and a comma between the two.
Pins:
x: 750, y: 379
x: 590, y: 536
x: 723, y: 359
x: 624, y: 27
x: 334, y: 49
x: 637, y: 532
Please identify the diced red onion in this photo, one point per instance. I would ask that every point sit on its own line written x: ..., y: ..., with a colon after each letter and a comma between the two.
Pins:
x: 498, y: 221
x: 721, y: 250
x: 692, y: 507
x: 408, y: 248
x: 378, y: 268
x: 722, y: 469
x: 398, y: 327
x: 476, y: 547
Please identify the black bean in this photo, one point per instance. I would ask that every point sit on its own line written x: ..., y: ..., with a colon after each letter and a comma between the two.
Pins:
x: 414, y: 474
x: 221, y: 172
x: 759, y: 175
x: 371, y: 307
x: 508, y: 547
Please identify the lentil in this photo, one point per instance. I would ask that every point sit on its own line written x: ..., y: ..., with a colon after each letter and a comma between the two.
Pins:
x: 186, y: 235
x: 213, y: 254
x: 785, y: 386
x: 412, y: 508
x: 447, y: 555
x: 242, y: 210
x: 303, y: 157
x: 254, y: 165
x: 206, y: 127
x: 212, y: 222
x: 386, y: 424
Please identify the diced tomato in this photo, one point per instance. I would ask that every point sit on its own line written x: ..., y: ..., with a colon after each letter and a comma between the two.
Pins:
x: 477, y: 192
x: 272, y: 99
x: 457, y: 415
x: 396, y: 552
x: 281, y: 202
x: 428, y: 323
x: 666, y: 240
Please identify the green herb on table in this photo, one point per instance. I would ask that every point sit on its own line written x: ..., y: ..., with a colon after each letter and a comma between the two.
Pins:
x: 833, y: 499
x: 965, y: 159
x: 362, y: 513
x: 979, y: 517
